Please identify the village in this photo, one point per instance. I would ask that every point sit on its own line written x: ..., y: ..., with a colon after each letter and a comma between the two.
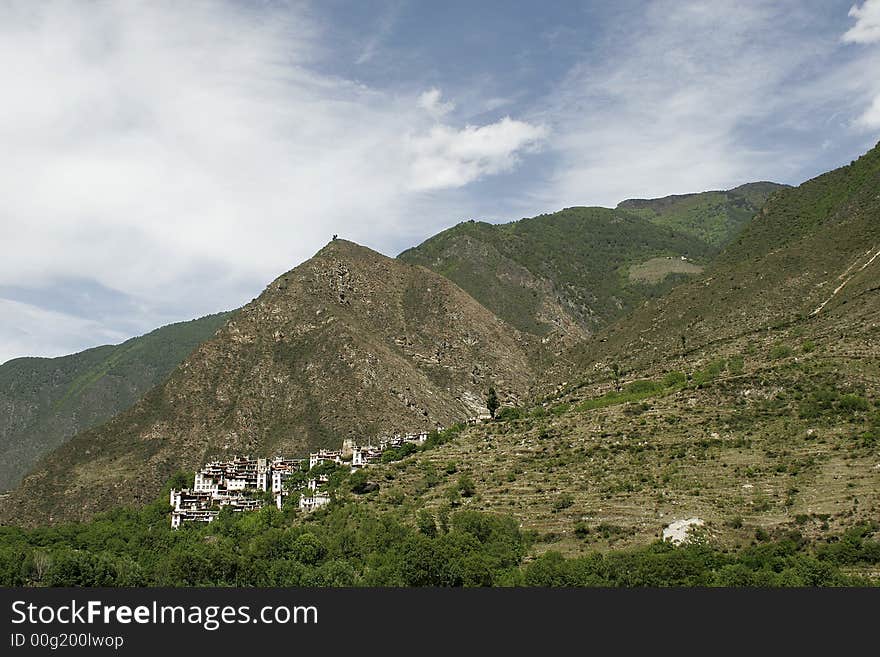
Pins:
x: 248, y: 484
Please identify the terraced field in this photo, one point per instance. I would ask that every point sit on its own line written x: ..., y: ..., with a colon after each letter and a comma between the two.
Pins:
x: 779, y: 433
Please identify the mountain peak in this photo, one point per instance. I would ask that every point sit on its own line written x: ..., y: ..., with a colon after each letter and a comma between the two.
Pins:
x: 349, y: 344
x: 340, y: 245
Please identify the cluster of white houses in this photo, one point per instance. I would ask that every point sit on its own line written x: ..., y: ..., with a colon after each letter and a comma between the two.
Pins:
x: 243, y: 483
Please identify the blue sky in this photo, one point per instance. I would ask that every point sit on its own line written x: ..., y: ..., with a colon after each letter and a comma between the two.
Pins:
x: 162, y: 160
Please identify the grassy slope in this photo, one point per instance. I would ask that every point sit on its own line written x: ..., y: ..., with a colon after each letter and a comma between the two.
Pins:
x: 772, y: 443
x: 45, y: 401
x: 565, y: 275
x: 788, y: 261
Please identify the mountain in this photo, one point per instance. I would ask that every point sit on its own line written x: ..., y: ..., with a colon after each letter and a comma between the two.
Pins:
x: 714, y: 217
x: 747, y: 398
x: 562, y: 276
x: 45, y: 401
x: 350, y: 344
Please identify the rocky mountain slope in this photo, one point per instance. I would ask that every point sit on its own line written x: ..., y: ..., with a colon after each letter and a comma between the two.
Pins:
x: 350, y: 344
x: 45, y: 401
x: 748, y: 399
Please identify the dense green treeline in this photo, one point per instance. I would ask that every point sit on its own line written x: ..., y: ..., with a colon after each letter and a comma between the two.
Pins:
x: 349, y: 545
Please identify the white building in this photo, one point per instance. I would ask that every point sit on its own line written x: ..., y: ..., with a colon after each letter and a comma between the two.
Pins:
x: 325, y: 456
x: 363, y: 456
x: 201, y: 515
x: 205, y: 483
x: 227, y: 483
x: 307, y: 504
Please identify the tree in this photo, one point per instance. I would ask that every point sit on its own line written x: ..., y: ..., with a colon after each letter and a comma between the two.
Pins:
x: 492, y: 402
x: 426, y: 523
x: 615, y: 367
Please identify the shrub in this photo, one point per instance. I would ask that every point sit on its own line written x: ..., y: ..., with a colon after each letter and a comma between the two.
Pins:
x: 674, y: 379
x: 852, y: 403
x: 581, y: 529
x: 509, y: 413
x: 396, y: 497
x: 644, y: 387
x: 780, y: 351
x: 564, y: 501
x: 735, y: 522
x: 397, y: 453
x: 466, y: 486
x: 712, y: 371
x: 735, y: 365
x: 359, y: 484
x: 426, y: 523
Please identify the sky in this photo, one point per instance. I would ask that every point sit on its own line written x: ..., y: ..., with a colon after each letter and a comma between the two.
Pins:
x: 161, y: 160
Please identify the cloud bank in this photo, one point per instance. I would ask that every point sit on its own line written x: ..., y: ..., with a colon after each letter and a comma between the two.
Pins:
x: 867, y: 31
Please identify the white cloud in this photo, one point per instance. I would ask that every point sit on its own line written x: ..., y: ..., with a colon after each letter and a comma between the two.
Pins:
x: 867, y: 27
x: 430, y: 102
x: 36, y: 331
x: 184, y: 154
x: 866, y: 31
x: 446, y: 157
x: 870, y: 120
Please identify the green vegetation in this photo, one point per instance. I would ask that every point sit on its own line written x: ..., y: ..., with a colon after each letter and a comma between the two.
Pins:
x: 349, y: 545
x: 45, y: 401
x: 634, y: 392
x: 396, y: 453
x: 784, y: 563
x: 780, y: 351
x: 714, y: 217
x: 575, y: 261
x: 492, y: 402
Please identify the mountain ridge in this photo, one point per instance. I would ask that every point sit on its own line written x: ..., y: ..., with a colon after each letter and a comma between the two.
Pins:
x: 564, y: 275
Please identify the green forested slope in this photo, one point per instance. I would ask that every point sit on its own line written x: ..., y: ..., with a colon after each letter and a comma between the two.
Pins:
x: 567, y: 274
x: 714, y: 217
x: 45, y: 401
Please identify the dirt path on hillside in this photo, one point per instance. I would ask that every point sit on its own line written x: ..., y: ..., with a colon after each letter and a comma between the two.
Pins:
x: 847, y: 277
